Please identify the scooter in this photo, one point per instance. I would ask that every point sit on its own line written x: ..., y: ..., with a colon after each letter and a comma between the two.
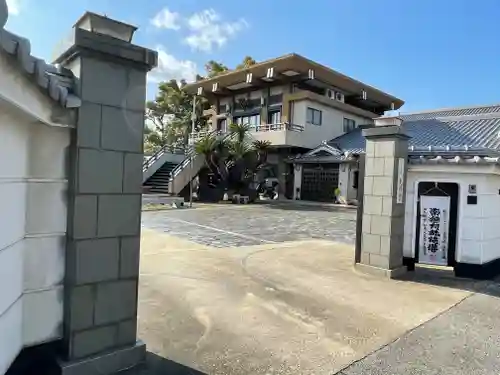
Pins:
x: 269, y: 188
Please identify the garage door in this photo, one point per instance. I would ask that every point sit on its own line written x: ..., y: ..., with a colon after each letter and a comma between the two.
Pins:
x: 319, y: 182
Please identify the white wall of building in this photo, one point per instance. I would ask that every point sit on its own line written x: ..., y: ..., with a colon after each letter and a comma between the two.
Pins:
x: 33, y: 217
x: 297, y: 180
x: 478, y: 235
x: 332, y: 122
x: 346, y: 181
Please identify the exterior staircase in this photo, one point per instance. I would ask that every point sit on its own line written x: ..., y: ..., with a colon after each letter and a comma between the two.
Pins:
x: 170, y: 171
x: 156, y: 170
x: 158, y: 182
x: 191, y: 165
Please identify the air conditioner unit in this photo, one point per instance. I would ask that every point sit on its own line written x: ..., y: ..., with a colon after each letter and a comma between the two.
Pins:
x: 339, y: 96
x: 330, y: 93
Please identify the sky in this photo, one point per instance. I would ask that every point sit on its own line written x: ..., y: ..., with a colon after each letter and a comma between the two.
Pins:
x: 430, y: 53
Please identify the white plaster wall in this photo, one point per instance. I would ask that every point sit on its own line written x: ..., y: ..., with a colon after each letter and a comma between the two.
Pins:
x: 11, y: 339
x: 16, y: 88
x: 478, y: 235
x: 344, y: 179
x: 332, y: 122
x: 33, y: 225
x: 13, y: 153
x: 297, y: 180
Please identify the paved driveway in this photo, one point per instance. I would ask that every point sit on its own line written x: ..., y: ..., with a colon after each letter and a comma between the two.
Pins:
x: 230, y: 225
x: 222, y: 292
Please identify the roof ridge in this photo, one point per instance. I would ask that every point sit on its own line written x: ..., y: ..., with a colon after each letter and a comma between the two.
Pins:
x: 47, y: 77
x: 478, y: 116
x: 445, y: 109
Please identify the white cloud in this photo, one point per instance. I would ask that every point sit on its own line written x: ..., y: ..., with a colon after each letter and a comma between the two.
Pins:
x: 14, y: 6
x: 208, y: 30
x: 169, y: 67
x: 165, y: 19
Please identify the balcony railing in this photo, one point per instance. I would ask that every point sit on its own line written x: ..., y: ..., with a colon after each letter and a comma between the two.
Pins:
x: 193, y: 137
x: 278, y: 127
x: 196, y: 136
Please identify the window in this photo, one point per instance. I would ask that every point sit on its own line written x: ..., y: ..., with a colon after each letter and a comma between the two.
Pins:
x: 349, y: 125
x: 252, y: 120
x: 314, y: 116
x: 274, y: 117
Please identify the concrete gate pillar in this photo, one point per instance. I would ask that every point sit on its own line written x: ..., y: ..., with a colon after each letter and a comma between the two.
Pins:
x: 384, y: 198
x: 104, y: 207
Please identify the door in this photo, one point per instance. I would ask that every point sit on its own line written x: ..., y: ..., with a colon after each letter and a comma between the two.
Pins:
x: 319, y: 182
x: 436, y: 224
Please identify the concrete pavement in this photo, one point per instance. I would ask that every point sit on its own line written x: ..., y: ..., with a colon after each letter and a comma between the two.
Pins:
x: 463, y: 340
x: 272, y: 308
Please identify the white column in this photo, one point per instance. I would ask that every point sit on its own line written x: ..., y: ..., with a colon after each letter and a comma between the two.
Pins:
x: 297, y: 181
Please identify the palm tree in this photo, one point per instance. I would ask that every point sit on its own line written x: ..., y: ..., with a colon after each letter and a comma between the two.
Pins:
x: 233, y: 159
x: 215, y: 152
x: 262, y: 149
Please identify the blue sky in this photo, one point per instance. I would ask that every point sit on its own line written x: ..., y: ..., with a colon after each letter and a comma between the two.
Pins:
x: 430, y: 53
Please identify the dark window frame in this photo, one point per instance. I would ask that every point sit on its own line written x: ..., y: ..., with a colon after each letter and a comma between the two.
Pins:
x: 348, y: 125
x: 312, y: 118
x: 270, y: 116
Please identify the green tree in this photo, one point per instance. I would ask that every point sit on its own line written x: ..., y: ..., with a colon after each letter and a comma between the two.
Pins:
x: 234, y: 159
x: 168, y: 116
x: 214, y: 68
x: 247, y: 62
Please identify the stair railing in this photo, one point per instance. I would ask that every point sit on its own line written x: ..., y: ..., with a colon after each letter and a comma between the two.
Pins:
x: 191, y: 152
x: 158, y: 154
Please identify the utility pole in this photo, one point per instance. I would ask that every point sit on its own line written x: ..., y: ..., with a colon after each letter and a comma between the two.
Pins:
x: 191, y: 153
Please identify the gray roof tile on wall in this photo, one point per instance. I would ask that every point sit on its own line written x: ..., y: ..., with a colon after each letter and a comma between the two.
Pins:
x: 479, y: 131
x: 56, y: 82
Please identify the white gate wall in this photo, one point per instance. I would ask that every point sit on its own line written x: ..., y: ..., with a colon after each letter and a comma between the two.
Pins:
x: 478, y: 239
x: 33, y: 218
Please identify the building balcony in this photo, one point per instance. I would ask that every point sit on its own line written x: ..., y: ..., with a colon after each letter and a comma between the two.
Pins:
x: 281, y: 134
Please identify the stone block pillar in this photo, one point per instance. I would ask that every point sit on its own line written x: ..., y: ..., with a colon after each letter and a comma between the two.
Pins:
x: 384, y: 199
x: 104, y: 197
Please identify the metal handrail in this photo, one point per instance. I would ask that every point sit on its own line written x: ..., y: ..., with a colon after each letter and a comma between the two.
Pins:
x: 191, y: 152
x: 158, y: 154
x: 187, y: 159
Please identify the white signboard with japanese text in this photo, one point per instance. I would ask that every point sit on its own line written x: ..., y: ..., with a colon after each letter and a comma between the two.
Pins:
x: 434, y: 229
x: 401, y: 180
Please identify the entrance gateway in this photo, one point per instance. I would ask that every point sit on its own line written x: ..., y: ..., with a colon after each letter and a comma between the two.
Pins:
x: 432, y: 218
x: 382, y: 209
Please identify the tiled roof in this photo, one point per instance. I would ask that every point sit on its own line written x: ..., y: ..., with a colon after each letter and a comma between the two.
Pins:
x: 451, y: 112
x: 57, y: 83
x: 467, y: 132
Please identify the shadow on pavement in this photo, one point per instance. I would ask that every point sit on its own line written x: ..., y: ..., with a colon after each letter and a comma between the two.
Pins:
x: 445, y: 277
x: 303, y: 207
x: 157, y: 365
